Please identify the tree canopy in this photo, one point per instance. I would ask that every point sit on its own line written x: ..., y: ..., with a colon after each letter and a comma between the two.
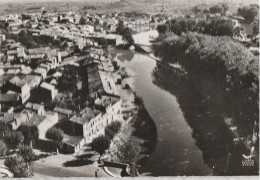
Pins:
x: 55, y: 134
x: 216, y: 26
x: 3, y: 148
x: 112, y: 129
x: 222, y: 63
x: 215, y: 9
x: 16, y: 165
x: 100, y: 144
x: 29, y: 133
x: 13, y: 139
x: 249, y: 12
x: 27, y: 153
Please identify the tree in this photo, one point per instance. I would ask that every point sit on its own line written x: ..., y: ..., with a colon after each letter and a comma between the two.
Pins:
x: 29, y: 133
x: 27, y: 153
x: 162, y: 28
x: 16, y: 165
x: 3, y: 129
x: 56, y: 135
x: 215, y: 9
x: 249, y: 13
x: 120, y: 27
x: 201, y: 8
x: 3, y: 148
x: 220, y: 27
x: 256, y: 29
x: 13, y: 139
x: 225, y: 8
x: 128, y: 35
x: 112, y: 129
x: 100, y: 144
x: 82, y: 21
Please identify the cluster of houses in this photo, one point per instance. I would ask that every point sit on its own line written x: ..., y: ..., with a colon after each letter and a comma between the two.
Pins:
x: 27, y: 81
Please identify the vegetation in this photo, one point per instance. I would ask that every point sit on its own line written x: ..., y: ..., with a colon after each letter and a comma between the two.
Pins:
x: 249, y: 13
x: 100, y: 144
x: 83, y: 21
x: 29, y: 133
x: 16, y: 165
x: 3, y: 148
x: 229, y: 70
x: 13, y: 139
x: 30, y: 41
x: 219, y: 8
x: 125, y: 32
x: 112, y: 129
x: 56, y: 135
x: 162, y: 28
x: 217, y: 26
x: 26, y: 152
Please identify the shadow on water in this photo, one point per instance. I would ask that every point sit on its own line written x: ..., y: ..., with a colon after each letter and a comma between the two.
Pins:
x: 211, y: 134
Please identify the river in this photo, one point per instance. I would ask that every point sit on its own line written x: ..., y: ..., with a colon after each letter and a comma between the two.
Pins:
x: 176, y: 152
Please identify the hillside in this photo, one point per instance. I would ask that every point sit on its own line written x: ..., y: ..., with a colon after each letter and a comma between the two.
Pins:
x: 152, y: 6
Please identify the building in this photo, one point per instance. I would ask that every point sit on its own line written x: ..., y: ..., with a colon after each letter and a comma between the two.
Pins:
x: 37, y: 108
x: 21, y: 87
x: 47, y: 91
x: 43, y: 122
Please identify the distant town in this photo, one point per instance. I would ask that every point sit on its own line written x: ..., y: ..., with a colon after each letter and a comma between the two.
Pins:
x: 66, y: 96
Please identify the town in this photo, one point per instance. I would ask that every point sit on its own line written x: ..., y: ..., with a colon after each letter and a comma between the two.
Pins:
x: 64, y: 93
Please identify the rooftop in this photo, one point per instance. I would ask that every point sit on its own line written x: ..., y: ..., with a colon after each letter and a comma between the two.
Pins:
x: 18, y: 81
x: 47, y: 86
x: 34, y: 106
x: 72, y: 140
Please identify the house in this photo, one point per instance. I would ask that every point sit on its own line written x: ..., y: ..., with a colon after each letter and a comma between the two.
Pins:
x: 10, y: 99
x: 32, y: 80
x: 21, y: 87
x: 63, y: 111
x: 72, y: 144
x: 43, y: 122
x: 48, y: 91
x: 39, y: 109
x: 41, y: 72
x: 15, y: 120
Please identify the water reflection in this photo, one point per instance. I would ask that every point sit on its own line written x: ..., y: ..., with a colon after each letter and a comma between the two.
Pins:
x: 208, y: 129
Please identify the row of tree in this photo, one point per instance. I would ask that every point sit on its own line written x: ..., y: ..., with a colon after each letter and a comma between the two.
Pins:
x: 217, y: 26
x: 218, y: 8
x: 221, y: 68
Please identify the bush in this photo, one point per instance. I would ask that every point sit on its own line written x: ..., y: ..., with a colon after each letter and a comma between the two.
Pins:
x: 27, y: 153
x: 112, y: 129
x: 13, y: 139
x: 16, y: 165
x: 3, y: 148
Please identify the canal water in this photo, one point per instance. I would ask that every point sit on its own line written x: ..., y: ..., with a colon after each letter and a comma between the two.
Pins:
x: 176, y: 152
x: 192, y: 138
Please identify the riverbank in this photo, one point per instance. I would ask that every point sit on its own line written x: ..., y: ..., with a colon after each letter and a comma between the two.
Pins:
x: 138, y: 138
x: 135, y: 142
